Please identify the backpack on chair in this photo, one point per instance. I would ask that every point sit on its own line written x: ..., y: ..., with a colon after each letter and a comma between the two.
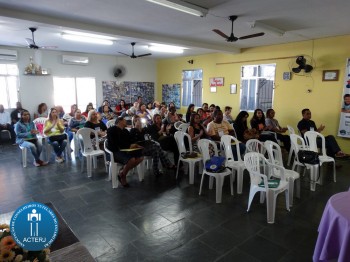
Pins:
x: 215, y: 164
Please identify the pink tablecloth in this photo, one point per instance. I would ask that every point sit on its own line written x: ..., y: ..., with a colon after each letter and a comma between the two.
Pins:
x: 333, y: 242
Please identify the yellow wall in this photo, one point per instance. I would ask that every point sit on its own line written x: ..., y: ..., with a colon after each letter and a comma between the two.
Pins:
x: 291, y: 96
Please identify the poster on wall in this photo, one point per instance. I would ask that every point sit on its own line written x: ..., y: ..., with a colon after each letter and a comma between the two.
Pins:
x: 171, y: 93
x: 216, y: 81
x: 144, y: 89
x: 344, y: 123
x: 114, y: 91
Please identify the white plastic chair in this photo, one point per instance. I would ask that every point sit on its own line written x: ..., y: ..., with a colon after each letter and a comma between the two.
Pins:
x: 203, y: 145
x: 298, y: 143
x: 236, y: 165
x: 258, y: 167
x: 183, y: 127
x: 180, y: 141
x: 275, y: 157
x: 114, y: 168
x: 110, y: 123
x: 40, y: 121
x: 254, y: 145
x: 291, y: 151
x: 87, y: 149
x: 177, y: 124
x: 310, y: 139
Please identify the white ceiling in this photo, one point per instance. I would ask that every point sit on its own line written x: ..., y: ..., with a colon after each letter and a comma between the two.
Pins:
x: 143, y: 22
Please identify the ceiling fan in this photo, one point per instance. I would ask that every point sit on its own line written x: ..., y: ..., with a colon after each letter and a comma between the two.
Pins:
x: 133, y: 54
x: 232, y: 37
x: 31, y: 42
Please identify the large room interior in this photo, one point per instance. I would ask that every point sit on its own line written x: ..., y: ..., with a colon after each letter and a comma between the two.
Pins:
x: 163, y: 218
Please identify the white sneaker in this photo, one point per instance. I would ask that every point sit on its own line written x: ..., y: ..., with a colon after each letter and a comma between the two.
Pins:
x: 36, y: 164
x: 59, y: 160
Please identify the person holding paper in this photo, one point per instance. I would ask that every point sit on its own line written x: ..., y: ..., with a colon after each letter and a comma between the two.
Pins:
x: 126, y: 153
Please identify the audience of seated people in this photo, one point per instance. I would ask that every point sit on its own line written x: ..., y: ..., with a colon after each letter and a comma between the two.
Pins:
x: 208, y: 122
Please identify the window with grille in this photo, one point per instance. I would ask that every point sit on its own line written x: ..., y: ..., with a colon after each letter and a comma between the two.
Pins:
x: 257, y: 85
x: 9, y: 85
x: 74, y: 90
x: 192, y: 87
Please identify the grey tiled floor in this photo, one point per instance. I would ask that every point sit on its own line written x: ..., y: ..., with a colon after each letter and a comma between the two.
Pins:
x: 164, y: 220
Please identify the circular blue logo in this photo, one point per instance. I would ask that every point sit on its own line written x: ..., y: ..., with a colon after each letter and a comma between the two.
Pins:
x: 34, y: 226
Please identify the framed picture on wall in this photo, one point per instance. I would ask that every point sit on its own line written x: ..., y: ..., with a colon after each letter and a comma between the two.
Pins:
x: 233, y: 89
x: 330, y: 75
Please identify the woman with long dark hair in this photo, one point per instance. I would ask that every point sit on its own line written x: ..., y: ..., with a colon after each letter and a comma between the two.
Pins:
x: 26, y: 137
x: 121, y: 108
x: 196, y: 130
x: 258, y: 122
x: 190, y: 111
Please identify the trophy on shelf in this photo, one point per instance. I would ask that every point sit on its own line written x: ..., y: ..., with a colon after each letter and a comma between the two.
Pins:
x: 32, y: 68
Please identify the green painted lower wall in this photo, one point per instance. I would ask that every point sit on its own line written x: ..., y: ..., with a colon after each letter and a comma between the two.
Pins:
x: 290, y: 97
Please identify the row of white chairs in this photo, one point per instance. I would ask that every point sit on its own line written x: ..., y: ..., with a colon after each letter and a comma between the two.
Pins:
x: 275, y: 166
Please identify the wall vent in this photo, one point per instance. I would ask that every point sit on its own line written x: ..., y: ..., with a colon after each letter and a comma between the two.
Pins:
x: 75, y: 60
x: 8, y: 55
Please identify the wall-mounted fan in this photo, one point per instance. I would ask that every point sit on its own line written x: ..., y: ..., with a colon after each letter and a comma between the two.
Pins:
x: 133, y: 54
x: 302, y: 65
x: 31, y: 42
x: 119, y: 71
x: 232, y: 37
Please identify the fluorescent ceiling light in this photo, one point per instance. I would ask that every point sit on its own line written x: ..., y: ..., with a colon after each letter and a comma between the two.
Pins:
x: 86, y: 39
x: 166, y: 48
x: 267, y: 28
x: 182, y: 6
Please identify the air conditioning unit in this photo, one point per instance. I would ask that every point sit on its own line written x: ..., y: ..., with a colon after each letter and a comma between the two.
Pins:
x: 75, y: 60
x: 8, y: 55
